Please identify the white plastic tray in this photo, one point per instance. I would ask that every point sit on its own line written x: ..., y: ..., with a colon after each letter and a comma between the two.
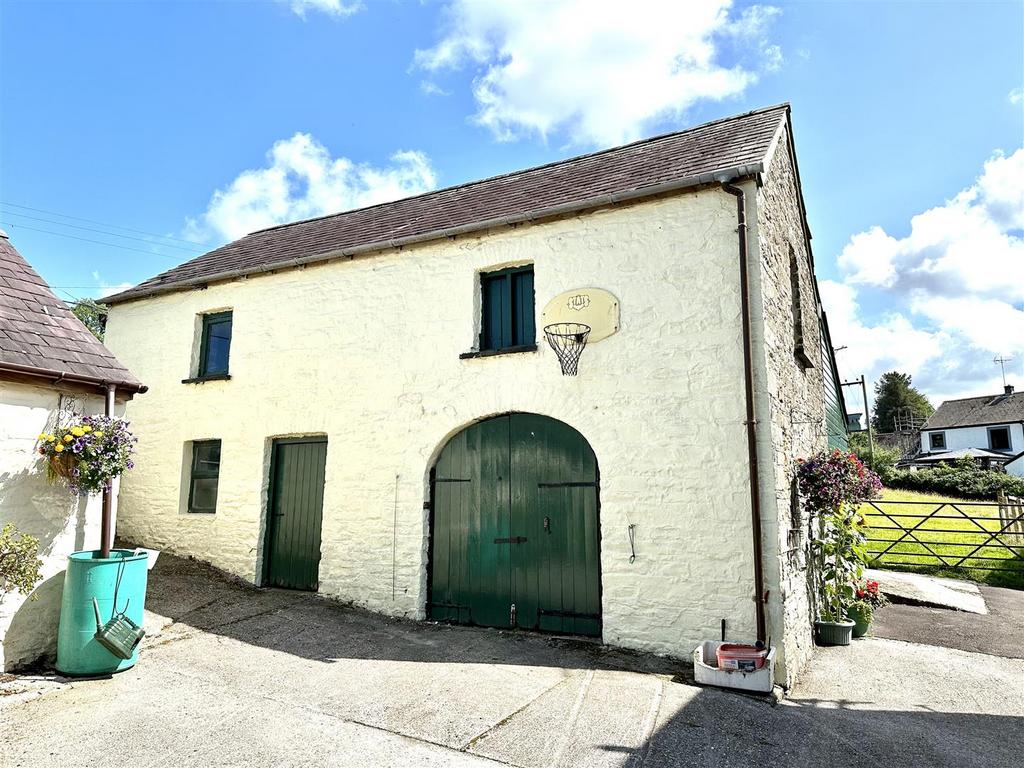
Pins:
x: 708, y: 673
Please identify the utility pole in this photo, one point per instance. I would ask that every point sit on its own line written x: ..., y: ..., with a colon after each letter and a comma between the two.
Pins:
x: 867, y: 414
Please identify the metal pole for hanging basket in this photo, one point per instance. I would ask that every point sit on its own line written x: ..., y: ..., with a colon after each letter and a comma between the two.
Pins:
x: 108, y: 495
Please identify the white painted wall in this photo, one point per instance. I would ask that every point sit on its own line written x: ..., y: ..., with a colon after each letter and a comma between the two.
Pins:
x: 62, y: 523
x: 367, y: 351
x: 973, y: 437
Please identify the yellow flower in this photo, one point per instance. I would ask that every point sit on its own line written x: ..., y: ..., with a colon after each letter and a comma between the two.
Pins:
x: 99, y: 434
x: 68, y: 438
x: 51, y: 438
x: 42, y: 436
x: 58, y: 448
x: 87, y: 429
x: 77, y: 431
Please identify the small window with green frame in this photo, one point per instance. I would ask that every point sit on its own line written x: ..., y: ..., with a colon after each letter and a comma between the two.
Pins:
x: 214, y: 345
x: 507, y: 302
x: 204, y: 476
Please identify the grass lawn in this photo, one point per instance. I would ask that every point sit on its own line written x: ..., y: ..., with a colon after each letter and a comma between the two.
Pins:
x: 950, y: 536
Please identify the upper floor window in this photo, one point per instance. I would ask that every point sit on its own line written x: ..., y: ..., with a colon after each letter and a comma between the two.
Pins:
x: 215, y: 345
x: 508, y: 309
x: 999, y: 438
x: 204, y: 476
x: 937, y: 441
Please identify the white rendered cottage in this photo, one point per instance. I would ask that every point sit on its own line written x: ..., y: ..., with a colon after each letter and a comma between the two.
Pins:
x: 51, y: 368
x: 988, y: 429
x: 364, y: 403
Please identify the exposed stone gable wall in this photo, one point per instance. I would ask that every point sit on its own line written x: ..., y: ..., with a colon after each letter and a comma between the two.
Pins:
x: 790, y: 403
x: 367, y: 352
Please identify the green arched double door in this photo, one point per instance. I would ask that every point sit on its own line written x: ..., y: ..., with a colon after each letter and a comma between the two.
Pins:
x: 515, y: 534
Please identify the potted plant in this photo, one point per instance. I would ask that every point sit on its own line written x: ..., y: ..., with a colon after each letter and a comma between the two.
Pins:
x: 104, y: 589
x: 833, y: 485
x: 868, y: 598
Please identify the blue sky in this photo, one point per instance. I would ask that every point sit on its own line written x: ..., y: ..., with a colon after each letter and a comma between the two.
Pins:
x: 200, y: 121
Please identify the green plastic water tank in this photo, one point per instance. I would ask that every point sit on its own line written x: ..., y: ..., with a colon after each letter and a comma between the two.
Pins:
x: 90, y: 576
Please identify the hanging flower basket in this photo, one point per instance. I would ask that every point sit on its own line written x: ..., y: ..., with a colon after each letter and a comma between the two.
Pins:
x: 88, y: 453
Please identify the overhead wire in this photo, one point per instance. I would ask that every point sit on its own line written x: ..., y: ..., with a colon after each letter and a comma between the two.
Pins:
x: 89, y: 240
x: 193, y: 248
x: 94, y: 221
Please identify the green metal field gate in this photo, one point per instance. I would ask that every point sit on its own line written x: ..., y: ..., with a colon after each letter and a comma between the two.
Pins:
x: 515, y: 533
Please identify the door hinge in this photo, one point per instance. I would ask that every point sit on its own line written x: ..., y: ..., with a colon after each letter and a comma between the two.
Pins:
x: 512, y: 614
x: 511, y: 540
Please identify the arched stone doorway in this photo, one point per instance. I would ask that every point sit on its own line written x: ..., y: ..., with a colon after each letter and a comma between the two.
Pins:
x: 515, y: 528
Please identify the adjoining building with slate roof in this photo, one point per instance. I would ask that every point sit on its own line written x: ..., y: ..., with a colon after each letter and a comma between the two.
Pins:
x: 51, y: 367
x: 989, y: 428
x: 365, y: 404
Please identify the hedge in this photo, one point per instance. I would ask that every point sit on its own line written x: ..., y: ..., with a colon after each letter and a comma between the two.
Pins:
x: 962, y: 478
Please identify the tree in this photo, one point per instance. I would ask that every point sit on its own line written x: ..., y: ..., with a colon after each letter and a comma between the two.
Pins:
x: 93, y: 315
x: 894, y: 391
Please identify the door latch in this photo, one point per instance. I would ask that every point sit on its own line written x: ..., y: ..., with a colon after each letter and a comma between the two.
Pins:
x: 547, y: 525
x: 512, y: 614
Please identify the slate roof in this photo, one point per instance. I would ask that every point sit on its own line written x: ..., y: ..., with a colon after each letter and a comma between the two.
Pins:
x: 696, y: 156
x: 39, y: 334
x: 978, y: 411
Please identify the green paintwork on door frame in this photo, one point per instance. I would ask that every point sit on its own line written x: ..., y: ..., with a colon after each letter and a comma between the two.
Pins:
x: 525, y: 513
x: 269, y: 526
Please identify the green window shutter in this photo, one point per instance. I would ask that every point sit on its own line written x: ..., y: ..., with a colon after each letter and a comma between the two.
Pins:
x: 523, y: 308
x: 508, y: 309
x: 215, y: 345
x: 204, y: 477
x: 496, y: 326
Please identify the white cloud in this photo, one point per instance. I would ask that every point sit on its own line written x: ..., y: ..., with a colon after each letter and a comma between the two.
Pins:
x: 330, y: 7
x: 106, y: 289
x: 601, y: 69
x: 431, y: 88
x: 301, y: 180
x: 1016, y: 96
x: 952, y: 289
x: 872, y: 347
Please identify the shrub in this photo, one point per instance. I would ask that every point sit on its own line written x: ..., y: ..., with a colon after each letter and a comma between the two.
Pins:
x: 962, y: 478
x: 884, y: 460
x: 19, y: 561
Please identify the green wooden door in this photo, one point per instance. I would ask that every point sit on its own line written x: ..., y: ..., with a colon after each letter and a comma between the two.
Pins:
x: 296, y: 512
x: 515, y: 537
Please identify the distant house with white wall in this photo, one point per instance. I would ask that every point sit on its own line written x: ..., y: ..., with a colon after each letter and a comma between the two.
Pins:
x: 363, y: 404
x: 51, y: 367
x: 989, y: 429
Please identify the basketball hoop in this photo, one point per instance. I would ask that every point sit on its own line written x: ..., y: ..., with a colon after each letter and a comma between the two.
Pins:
x: 568, y: 341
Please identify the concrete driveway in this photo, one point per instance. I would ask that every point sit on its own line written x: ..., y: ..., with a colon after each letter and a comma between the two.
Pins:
x: 240, y: 676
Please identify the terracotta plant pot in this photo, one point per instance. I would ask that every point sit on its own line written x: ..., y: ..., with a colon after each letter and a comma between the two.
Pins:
x: 834, y: 632
x: 861, y: 620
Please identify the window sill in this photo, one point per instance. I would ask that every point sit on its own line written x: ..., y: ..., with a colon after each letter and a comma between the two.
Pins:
x: 200, y: 512
x: 201, y: 379
x: 495, y: 352
x: 801, y: 358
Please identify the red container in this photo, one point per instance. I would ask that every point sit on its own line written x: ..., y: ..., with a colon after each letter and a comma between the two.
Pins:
x: 739, y: 657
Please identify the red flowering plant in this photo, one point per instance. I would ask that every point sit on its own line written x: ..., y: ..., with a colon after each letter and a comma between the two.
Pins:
x: 833, y: 485
x: 869, y: 593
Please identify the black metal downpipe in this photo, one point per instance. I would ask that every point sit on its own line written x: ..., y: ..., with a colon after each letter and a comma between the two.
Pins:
x: 748, y: 370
